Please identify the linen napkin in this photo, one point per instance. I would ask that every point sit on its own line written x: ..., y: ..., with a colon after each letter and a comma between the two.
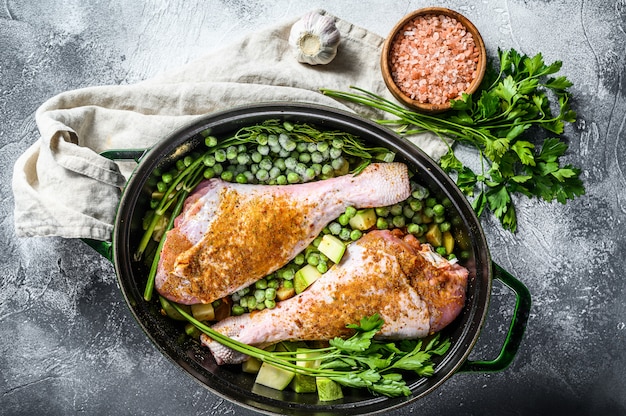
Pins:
x: 63, y: 187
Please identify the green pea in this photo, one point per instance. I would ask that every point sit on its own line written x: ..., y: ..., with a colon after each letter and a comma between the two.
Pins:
x: 269, y: 303
x: 210, y: 141
x: 293, y: 177
x: 335, y: 153
x: 261, y: 284
x: 208, y: 160
x: 335, y: 228
x: 420, y: 192
x: 395, y: 210
x: 270, y: 293
x: 439, y: 210
x: 322, y: 146
x: 301, y: 147
x: 355, y: 235
x: 381, y: 223
x: 227, y: 175
x: 309, y: 174
x: 259, y: 295
x: 337, y: 143
x: 304, y: 157
x: 274, y: 172
x: 445, y: 226
x: 299, y: 259
x: 343, y: 219
x: 414, y: 229
x: 243, y: 159
x: 241, y: 178
x: 231, y: 152
x: 317, y: 157
x: 322, y: 267
x: 382, y: 211
x: 313, y: 259
x: 218, y: 169
x: 291, y: 163
x: 431, y: 202
x: 350, y: 211
x: 416, y: 205
x: 220, y: 155
x: 167, y: 177
x: 344, y: 234
x: 237, y: 310
x: 287, y: 274
x: 281, y: 180
x: 398, y: 221
x: 272, y: 140
x: 262, y: 175
x: 263, y: 150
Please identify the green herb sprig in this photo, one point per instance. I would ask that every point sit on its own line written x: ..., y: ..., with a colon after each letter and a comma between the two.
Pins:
x: 512, y: 105
x: 359, y: 361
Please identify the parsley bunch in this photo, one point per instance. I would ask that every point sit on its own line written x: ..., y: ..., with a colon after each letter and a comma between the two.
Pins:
x: 359, y: 361
x: 514, y: 104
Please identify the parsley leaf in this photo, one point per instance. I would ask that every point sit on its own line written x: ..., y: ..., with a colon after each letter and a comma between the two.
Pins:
x: 505, y: 124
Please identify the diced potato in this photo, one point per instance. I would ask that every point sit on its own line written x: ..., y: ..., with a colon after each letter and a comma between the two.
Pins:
x: 274, y: 377
x: 328, y: 390
x: 203, y: 311
x: 251, y: 365
x: 283, y: 293
x: 332, y: 247
x: 434, y: 235
x: 305, y: 277
x: 448, y: 242
x: 364, y: 219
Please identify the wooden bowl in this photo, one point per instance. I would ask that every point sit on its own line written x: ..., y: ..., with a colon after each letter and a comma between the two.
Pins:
x: 436, y: 102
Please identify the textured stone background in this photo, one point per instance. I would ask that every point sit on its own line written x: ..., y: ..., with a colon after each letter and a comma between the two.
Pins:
x: 67, y: 341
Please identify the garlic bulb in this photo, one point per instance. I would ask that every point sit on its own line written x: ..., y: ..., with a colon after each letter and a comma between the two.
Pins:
x: 315, y: 38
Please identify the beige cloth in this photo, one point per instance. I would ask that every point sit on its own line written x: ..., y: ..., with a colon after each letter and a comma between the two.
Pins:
x: 63, y: 187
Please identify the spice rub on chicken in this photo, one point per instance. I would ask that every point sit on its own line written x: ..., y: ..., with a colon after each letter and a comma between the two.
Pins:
x: 415, y: 291
x: 230, y: 235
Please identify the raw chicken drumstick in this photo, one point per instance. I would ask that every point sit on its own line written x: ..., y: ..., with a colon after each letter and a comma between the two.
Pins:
x: 415, y: 290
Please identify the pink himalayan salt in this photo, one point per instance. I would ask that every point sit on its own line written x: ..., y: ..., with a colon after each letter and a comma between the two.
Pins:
x: 433, y: 59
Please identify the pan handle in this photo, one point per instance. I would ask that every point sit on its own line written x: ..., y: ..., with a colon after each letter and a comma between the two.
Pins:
x: 516, y: 328
x: 105, y: 248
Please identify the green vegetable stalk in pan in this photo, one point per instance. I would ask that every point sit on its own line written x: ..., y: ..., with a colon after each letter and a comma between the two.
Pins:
x: 497, y: 120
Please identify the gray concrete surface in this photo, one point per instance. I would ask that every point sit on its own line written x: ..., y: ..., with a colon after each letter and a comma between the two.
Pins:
x: 68, y: 344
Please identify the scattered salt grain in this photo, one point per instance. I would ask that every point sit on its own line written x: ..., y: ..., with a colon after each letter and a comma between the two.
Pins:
x: 433, y: 59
